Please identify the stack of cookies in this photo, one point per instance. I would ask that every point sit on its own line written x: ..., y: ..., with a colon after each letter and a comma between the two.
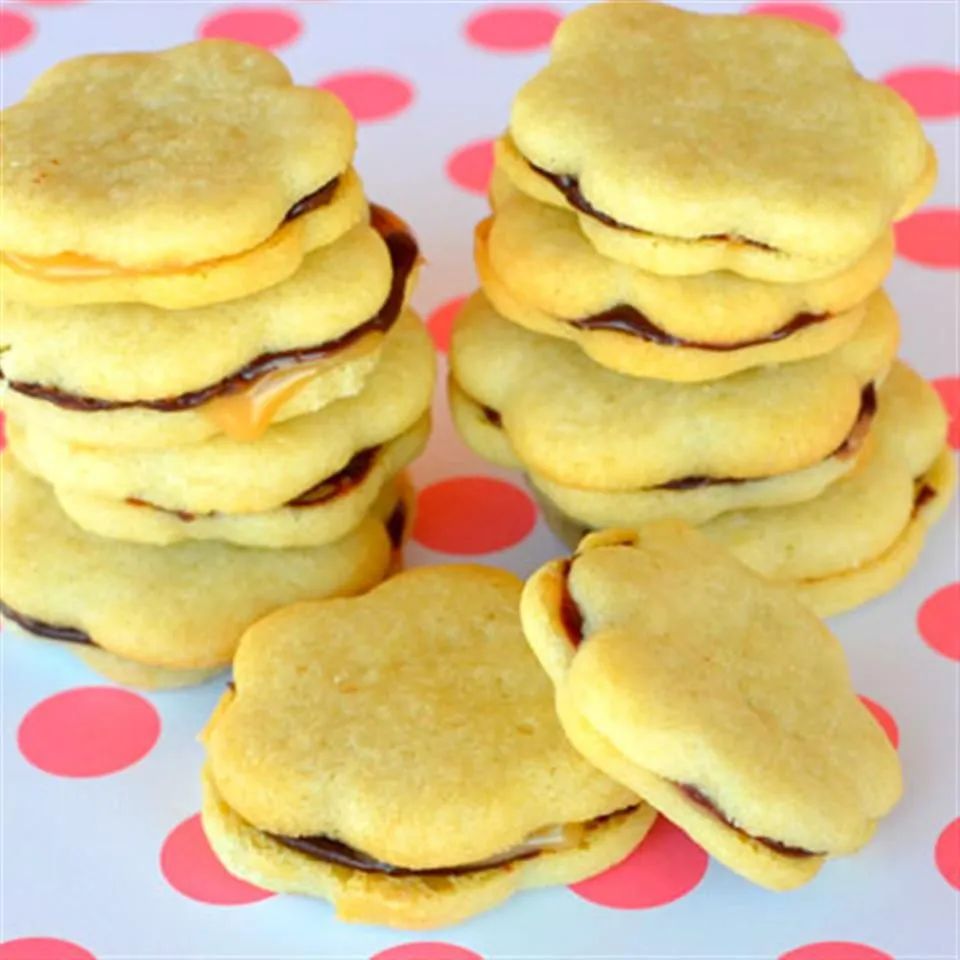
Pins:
x: 212, y: 379
x: 681, y: 313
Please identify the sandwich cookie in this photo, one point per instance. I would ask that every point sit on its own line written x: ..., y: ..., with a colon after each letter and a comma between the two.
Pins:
x: 855, y: 540
x: 716, y: 695
x: 180, y: 178
x: 576, y: 423
x: 687, y: 143
x: 233, y: 368
x: 161, y: 617
x: 321, y: 514
x: 539, y: 270
x: 399, y: 755
x: 229, y: 476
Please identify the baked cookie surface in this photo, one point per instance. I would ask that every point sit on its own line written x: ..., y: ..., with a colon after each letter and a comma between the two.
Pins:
x: 400, y: 756
x: 714, y: 694
x: 232, y: 476
x: 761, y: 149
x: 142, y: 176
x: 578, y: 424
x: 539, y: 270
x: 156, y: 616
x: 234, y: 368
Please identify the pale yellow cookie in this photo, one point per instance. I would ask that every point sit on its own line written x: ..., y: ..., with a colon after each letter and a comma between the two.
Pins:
x: 233, y: 476
x: 538, y: 269
x: 177, y: 178
x: 327, y: 511
x: 690, y: 142
x: 142, y: 377
x: 581, y: 425
x: 716, y: 695
x: 180, y: 609
x: 399, y: 755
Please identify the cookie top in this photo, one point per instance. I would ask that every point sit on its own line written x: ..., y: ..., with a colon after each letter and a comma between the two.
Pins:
x: 706, y: 676
x: 151, y: 160
x: 576, y: 423
x: 412, y: 724
x: 755, y: 130
x: 182, y: 606
x: 541, y: 256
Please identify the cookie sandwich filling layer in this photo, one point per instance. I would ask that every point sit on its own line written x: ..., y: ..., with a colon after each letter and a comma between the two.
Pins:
x: 243, y: 403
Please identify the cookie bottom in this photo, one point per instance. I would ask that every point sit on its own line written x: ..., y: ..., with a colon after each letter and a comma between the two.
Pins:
x: 412, y: 903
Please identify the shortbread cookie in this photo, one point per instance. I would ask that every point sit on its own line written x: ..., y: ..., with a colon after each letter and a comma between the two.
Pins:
x: 142, y: 377
x: 325, y: 512
x: 230, y: 476
x: 399, y: 755
x: 581, y: 425
x: 158, y: 616
x: 859, y: 537
x: 538, y: 269
x: 180, y: 178
x: 696, y: 500
x: 688, y: 143
x: 714, y: 694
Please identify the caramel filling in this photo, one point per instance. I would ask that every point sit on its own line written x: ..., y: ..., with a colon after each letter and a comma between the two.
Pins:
x: 569, y: 186
x: 549, y: 840
x: 244, y: 403
x: 70, y: 266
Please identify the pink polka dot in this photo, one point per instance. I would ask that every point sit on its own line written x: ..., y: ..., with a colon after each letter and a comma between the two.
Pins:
x: 884, y: 718
x: 88, y: 732
x: 835, y: 950
x: 947, y: 854
x: 191, y: 868
x: 426, y: 951
x: 815, y: 14
x: 931, y: 237
x: 441, y: 320
x: 939, y: 621
x: 370, y: 94
x: 665, y: 867
x: 15, y: 30
x: 267, y: 27
x: 470, y: 166
x: 513, y: 29
x: 949, y: 390
x: 51, y: 3
x: 472, y: 515
x: 42, y: 948
x: 934, y: 92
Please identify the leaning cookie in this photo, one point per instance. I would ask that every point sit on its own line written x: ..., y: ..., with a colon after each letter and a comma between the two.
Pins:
x: 399, y: 755
x: 538, y: 270
x: 327, y: 511
x: 231, y: 476
x: 160, y: 616
x: 578, y: 424
x: 728, y: 706
x: 233, y: 368
x: 784, y: 165
x: 184, y: 177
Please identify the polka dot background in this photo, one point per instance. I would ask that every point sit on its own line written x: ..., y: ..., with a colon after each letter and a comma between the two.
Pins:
x: 112, y: 776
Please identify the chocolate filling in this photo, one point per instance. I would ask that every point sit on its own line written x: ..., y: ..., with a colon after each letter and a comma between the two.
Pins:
x: 403, y: 257
x: 341, y: 482
x: 396, y: 525
x: 702, y: 800
x: 569, y: 186
x: 924, y: 494
x: 333, y: 851
x: 492, y: 416
x: 312, y: 201
x: 626, y: 319
x: 41, y: 628
x: 571, y: 616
